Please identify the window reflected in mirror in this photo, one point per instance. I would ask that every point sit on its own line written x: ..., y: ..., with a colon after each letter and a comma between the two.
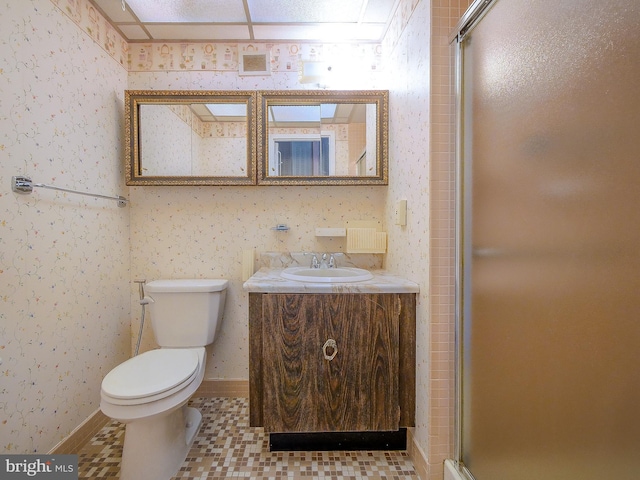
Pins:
x: 288, y: 137
x: 311, y: 137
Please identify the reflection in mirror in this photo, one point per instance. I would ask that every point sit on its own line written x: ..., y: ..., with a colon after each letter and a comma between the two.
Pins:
x: 296, y: 142
x: 323, y: 137
x: 190, y: 138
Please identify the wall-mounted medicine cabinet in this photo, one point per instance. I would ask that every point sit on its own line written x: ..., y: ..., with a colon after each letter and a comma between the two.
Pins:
x: 291, y: 137
x: 322, y: 137
x: 190, y: 137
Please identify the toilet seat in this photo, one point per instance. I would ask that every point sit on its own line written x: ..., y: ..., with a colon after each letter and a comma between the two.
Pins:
x: 151, y: 376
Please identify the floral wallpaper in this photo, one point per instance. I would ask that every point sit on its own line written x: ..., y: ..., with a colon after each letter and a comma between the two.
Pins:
x: 64, y: 259
x: 409, y: 140
x: 222, y: 151
x: 165, y: 141
x: 85, y: 16
x: 174, y: 141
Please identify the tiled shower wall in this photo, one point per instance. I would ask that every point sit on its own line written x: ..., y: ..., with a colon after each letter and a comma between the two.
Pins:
x: 445, y: 16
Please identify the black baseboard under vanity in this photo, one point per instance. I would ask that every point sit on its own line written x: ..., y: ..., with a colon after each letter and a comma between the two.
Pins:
x: 324, y: 441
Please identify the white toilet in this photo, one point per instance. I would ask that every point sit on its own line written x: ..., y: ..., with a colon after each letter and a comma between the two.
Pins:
x: 149, y: 392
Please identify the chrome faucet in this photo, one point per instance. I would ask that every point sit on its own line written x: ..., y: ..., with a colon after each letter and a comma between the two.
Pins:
x: 327, y: 260
x: 314, y: 261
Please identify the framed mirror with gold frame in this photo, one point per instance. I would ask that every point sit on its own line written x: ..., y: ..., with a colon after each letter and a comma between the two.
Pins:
x: 190, y: 137
x: 322, y: 137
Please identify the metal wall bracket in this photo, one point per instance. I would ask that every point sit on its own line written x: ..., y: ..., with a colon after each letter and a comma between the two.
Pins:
x: 23, y: 185
x: 281, y: 227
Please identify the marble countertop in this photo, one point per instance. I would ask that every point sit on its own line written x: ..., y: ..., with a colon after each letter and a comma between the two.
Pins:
x: 268, y: 280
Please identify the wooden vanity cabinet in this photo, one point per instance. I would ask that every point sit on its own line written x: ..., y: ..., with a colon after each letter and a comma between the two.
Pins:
x: 332, y: 362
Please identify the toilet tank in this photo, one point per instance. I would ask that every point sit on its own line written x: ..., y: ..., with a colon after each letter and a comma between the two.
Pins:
x: 186, y: 312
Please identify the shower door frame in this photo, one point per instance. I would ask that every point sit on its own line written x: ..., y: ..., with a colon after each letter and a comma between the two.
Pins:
x: 630, y: 282
x: 470, y: 19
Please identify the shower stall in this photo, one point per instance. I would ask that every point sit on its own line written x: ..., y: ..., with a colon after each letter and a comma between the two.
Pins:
x: 548, y: 330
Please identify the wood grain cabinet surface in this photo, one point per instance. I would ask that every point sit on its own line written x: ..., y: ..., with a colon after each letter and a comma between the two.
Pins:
x: 332, y: 362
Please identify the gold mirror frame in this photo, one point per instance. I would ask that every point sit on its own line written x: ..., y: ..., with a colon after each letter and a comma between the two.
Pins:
x: 134, y: 99
x: 312, y: 97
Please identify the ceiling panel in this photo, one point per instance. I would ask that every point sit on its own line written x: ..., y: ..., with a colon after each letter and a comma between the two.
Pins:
x: 113, y: 11
x: 377, y: 11
x: 134, y: 32
x: 305, y: 11
x: 318, y: 32
x: 198, y: 32
x: 356, y: 21
x: 180, y: 11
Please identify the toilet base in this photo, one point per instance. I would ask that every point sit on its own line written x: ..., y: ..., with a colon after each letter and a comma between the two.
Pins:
x: 154, y: 449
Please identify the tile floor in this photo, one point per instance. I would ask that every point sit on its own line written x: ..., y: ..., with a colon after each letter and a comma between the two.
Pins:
x: 227, y: 447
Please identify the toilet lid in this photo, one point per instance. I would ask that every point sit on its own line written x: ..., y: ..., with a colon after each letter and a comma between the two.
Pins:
x: 150, y: 373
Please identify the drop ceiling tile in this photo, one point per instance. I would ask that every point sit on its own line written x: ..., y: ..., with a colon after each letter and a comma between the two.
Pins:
x: 198, y: 32
x: 113, y: 10
x: 180, y: 11
x: 282, y: 20
x: 372, y: 32
x: 133, y: 32
x: 378, y: 11
x: 312, y: 11
x: 320, y: 32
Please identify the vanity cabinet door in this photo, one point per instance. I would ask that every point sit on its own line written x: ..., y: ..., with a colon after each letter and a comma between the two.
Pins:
x: 352, y: 386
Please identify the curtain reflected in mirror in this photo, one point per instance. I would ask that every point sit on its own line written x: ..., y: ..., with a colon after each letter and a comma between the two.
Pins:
x: 322, y: 137
x: 288, y: 137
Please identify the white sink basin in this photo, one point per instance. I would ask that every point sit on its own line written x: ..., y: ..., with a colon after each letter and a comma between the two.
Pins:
x: 326, y: 275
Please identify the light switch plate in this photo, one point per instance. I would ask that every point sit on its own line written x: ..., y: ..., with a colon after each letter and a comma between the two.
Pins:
x: 401, y: 212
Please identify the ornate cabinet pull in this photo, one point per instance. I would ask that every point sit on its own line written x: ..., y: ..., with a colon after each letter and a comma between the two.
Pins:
x: 331, y: 343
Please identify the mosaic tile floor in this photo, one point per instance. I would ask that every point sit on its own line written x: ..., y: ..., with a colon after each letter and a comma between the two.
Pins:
x: 227, y: 447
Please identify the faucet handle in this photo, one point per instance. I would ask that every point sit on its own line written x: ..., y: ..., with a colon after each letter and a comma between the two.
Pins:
x: 333, y: 262
x: 315, y: 263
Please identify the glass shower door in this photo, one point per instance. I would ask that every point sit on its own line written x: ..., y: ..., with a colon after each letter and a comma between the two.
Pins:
x: 550, y: 331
